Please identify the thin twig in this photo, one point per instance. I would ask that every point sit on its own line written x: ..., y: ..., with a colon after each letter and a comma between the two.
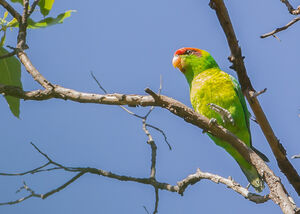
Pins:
x: 16, y: 201
x: 33, y: 6
x: 27, y: 172
x: 10, y: 54
x: 150, y: 138
x: 156, y: 201
x: 145, y: 208
x: 42, y: 153
x: 162, y: 132
x: 272, y: 33
x: 295, y: 156
x: 43, y: 196
x: 257, y: 93
x: 98, y: 83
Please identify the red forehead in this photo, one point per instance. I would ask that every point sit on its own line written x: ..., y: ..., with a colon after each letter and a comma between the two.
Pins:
x: 183, y: 50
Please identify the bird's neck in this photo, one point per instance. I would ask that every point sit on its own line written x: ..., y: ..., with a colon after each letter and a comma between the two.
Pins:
x: 193, y: 67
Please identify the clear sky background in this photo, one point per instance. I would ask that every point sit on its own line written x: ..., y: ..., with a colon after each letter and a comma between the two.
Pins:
x: 128, y: 45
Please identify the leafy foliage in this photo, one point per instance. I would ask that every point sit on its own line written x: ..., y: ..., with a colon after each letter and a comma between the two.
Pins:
x: 17, y: 1
x: 44, y: 22
x: 10, y: 68
x: 45, y: 6
x: 10, y: 74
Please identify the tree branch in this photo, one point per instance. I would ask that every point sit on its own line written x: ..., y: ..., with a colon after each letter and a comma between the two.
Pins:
x: 179, y: 188
x: 278, y: 193
x: 176, y: 108
x: 272, y: 33
x: 8, y: 54
x: 291, y: 8
x: 11, y: 10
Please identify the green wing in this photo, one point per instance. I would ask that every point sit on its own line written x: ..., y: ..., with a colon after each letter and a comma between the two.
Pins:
x: 238, y: 90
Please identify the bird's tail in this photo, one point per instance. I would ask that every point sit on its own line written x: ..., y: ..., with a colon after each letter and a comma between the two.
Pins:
x: 248, y: 169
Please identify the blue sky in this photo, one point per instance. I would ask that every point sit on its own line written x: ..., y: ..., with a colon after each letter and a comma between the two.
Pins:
x: 128, y: 45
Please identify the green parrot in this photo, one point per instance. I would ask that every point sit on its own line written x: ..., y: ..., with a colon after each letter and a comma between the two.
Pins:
x: 218, y: 96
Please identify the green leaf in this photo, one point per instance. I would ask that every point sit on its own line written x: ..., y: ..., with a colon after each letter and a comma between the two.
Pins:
x: 2, y: 40
x: 5, y: 15
x: 17, y: 1
x: 13, y: 23
x: 10, y: 74
x: 45, y: 6
x: 44, y: 22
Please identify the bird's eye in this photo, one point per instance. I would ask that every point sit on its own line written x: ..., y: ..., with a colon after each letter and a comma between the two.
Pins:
x: 188, y: 52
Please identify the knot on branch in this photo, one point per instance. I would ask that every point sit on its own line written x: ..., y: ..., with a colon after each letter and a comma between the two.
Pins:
x: 282, y: 149
x: 152, y: 93
x: 212, y: 5
x: 231, y: 58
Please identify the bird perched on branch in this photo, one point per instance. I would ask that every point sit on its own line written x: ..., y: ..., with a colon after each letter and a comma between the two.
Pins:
x: 218, y: 96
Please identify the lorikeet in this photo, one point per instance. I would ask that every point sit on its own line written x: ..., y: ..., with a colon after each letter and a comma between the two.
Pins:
x: 218, y: 96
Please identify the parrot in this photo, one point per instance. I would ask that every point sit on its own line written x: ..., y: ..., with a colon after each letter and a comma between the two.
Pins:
x: 218, y: 96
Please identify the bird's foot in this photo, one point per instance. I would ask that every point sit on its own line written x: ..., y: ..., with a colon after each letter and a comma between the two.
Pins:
x: 212, y: 121
x: 224, y: 113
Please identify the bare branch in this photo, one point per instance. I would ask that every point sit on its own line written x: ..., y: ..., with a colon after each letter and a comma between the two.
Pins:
x: 27, y: 172
x: 230, y: 183
x: 43, y: 196
x: 42, y: 153
x: 295, y: 156
x: 173, y: 106
x: 291, y: 8
x: 150, y: 138
x: 272, y: 33
x: 16, y: 201
x: 145, y: 208
x: 156, y: 201
x: 179, y: 188
x: 170, y: 104
x: 256, y: 94
x: 278, y: 193
x: 98, y: 83
x: 37, y: 76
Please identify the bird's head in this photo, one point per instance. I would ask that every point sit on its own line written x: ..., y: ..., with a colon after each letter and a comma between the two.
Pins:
x: 192, y: 61
x: 193, y: 58
x: 182, y: 54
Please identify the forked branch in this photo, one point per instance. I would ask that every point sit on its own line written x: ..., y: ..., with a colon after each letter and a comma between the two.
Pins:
x: 80, y: 171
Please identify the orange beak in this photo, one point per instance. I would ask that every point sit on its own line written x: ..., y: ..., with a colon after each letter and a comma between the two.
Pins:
x: 177, y: 61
